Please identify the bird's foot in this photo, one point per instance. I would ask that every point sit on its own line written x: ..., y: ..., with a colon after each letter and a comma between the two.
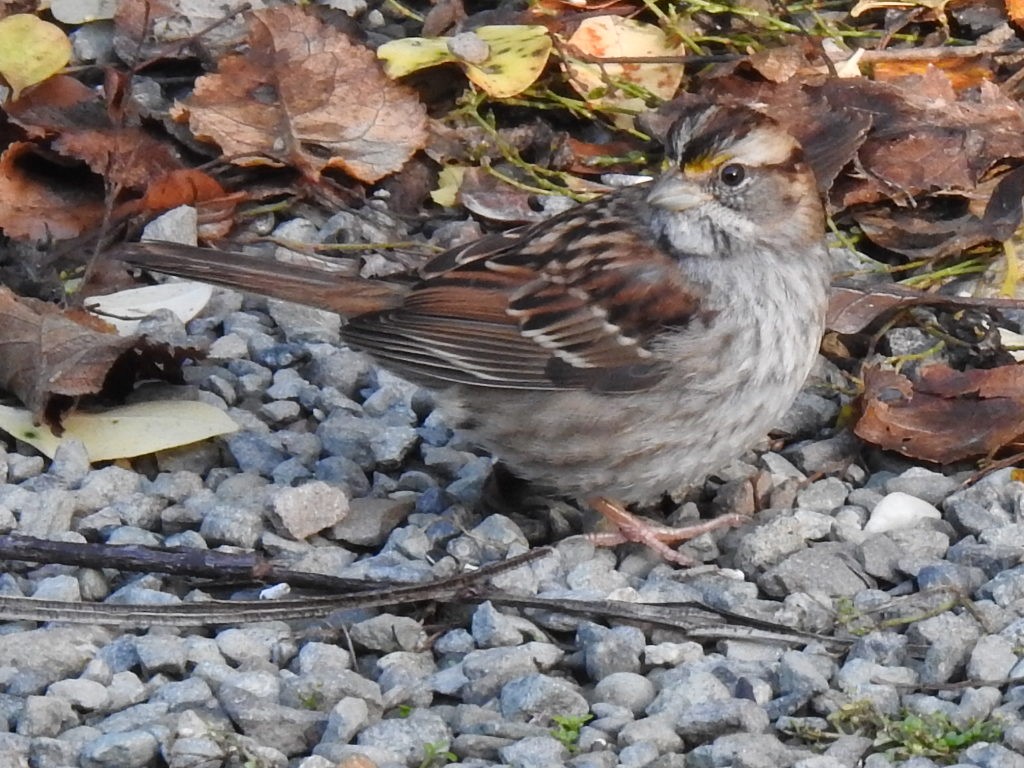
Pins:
x: 653, y: 535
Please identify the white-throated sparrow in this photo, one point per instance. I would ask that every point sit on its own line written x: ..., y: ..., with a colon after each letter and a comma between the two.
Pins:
x: 624, y: 348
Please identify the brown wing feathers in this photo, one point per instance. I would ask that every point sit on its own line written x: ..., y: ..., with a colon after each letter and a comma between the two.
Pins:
x: 538, y: 308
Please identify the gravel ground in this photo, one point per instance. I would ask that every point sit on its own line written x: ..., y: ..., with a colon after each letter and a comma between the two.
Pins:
x: 344, y: 470
x: 907, y: 590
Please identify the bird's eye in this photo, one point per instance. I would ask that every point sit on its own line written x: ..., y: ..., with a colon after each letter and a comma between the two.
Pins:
x: 732, y: 174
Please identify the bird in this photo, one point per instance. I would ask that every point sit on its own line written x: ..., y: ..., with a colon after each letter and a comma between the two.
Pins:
x: 624, y: 348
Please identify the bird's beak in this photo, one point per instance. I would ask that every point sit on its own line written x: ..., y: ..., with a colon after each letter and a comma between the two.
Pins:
x: 674, y: 192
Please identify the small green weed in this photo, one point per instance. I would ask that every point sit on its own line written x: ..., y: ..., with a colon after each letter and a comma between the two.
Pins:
x: 568, y: 730
x: 436, y: 754
x: 912, y: 735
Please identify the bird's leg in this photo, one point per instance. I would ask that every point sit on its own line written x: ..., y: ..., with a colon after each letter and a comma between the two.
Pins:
x: 651, y: 534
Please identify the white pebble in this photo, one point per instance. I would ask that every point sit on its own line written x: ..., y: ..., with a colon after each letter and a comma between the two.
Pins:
x: 899, y: 510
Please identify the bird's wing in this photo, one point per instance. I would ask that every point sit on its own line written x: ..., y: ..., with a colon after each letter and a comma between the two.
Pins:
x: 571, y: 303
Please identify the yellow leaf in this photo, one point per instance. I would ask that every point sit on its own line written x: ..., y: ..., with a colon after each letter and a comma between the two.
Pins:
x: 518, y: 54
x: 401, y: 57
x: 119, y: 433
x: 510, y: 59
x: 448, y: 183
x: 31, y: 50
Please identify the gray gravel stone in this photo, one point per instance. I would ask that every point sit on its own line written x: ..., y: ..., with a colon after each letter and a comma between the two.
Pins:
x: 125, y: 689
x: 250, y: 699
x: 230, y: 524
x: 712, y: 719
x: 923, y: 483
x: 594, y: 759
x: 161, y: 653
x: 324, y: 691
x: 607, y: 651
x: 45, y: 716
x: 86, y: 695
x: 992, y: 658
x: 770, y: 544
x: 829, y: 568
x: 347, y: 718
x: 541, y: 696
x: 672, y: 654
x: 404, y: 679
x: 1006, y: 588
x: 886, y: 648
x: 992, y: 756
x: 300, y: 512
x: 70, y: 464
x: 409, y: 736
x: 949, y: 639
x: 638, y: 754
x: 45, y: 753
x: 58, y: 588
x: 50, y: 653
x: 45, y: 514
x: 804, y: 673
x: 272, y: 641
x: 21, y: 468
x: 256, y: 453
x: 127, y: 749
x: 627, y: 689
x: 491, y: 628
x: 976, y: 705
x: 963, y: 578
x: 191, y: 693
x: 684, y: 687
x: 976, y: 509
x: 658, y: 730
x: 748, y: 750
x: 389, y: 633
x: 823, y: 455
x: 823, y: 495
x: 535, y: 752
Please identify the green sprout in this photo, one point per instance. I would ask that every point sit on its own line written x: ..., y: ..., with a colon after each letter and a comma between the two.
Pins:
x: 568, y: 731
x: 435, y: 754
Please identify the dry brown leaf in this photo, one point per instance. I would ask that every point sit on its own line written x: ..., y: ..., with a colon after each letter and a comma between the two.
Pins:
x: 851, y: 310
x: 932, y: 229
x: 34, y: 207
x: 128, y: 157
x: 487, y: 196
x: 948, y: 416
x: 50, y: 358
x: 60, y: 103
x: 306, y: 96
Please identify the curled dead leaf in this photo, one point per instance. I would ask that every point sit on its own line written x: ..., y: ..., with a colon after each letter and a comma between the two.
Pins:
x: 944, y: 417
x: 305, y: 95
x: 49, y: 358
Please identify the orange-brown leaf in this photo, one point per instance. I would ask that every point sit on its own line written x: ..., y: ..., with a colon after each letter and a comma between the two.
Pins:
x: 33, y: 208
x: 183, y: 187
x: 948, y: 416
x: 304, y: 95
x: 127, y: 157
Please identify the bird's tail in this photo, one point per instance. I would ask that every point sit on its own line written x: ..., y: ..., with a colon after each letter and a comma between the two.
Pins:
x: 315, y: 287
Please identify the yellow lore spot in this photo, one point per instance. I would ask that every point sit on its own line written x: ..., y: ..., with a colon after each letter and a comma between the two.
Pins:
x: 704, y: 165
